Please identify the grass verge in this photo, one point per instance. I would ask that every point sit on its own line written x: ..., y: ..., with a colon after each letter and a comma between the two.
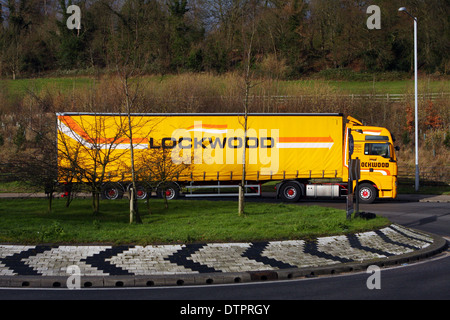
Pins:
x: 27, y: 221
x: 220, y: 85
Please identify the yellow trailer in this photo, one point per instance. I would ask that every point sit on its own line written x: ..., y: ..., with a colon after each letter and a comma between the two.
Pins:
x: 192, y: 151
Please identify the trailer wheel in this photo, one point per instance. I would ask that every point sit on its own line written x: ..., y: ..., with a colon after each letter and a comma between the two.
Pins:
x: 367, y: 193
x: 171, y: 192
x: 291, y: 192
x: 112, y: 192
x: 142, y: 192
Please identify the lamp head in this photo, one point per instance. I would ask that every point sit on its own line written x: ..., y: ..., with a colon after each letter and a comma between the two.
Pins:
x: 403, y: 9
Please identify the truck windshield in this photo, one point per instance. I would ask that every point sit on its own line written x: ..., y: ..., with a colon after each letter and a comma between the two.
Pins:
x: 377, y: 149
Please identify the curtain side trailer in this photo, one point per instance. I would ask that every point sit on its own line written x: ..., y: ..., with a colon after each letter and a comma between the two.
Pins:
x: 307, y: 154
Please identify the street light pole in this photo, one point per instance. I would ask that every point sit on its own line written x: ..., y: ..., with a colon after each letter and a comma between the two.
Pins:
x: 403, y: 9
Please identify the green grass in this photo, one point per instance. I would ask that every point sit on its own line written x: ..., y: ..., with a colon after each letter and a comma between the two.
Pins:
x: 438, y: 189
x: 17, y: 186
x: 186, y: 221
x: 19, y: 87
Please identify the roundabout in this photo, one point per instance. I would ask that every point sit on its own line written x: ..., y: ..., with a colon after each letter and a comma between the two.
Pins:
x: 212, y: 263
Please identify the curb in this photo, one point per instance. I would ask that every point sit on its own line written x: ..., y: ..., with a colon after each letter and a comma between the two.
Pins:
x: 423, y: 198
x: 439, y: 245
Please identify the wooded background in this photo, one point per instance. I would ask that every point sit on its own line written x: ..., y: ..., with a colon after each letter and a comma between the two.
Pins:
x: 291, y: 38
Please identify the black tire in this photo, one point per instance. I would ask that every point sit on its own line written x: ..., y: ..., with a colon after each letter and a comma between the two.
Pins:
x: 172, y: 192
x: 291, y: 192
x: 112, y: 192
x: 367, y: 193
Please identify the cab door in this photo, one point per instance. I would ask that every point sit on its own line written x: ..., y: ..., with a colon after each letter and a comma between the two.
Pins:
x: 377, y: 158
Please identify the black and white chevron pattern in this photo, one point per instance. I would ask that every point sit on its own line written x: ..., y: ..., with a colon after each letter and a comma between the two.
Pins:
x: 209, y: 257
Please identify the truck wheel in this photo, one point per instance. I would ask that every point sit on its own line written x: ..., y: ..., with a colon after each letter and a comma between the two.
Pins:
x: 291, y: 192
x: 367, y: 193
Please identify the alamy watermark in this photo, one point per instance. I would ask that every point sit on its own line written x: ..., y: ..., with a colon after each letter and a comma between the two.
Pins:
x: 74, y: 280
x: 374, y: 21
x: 74, y: 21
x: 374, y: 280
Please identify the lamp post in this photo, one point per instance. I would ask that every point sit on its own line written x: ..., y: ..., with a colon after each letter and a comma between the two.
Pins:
x: 403, y: 9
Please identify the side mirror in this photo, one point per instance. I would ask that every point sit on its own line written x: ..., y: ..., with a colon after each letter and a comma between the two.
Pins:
x: 397, y: 148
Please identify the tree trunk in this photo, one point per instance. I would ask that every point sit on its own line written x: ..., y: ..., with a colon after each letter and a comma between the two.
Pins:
x: 68, y: 199
x: 134, y: 212
x: 244, y: 160
x: 241, y: 204
x: 166, y: 203
x: 95, y: 203
x: 50, y: 200
x: 133, y: 208
x: 248, y: 85
x: 147, y: 203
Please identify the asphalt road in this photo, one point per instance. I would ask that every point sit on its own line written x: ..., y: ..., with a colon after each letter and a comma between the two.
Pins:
x: 428, y: 279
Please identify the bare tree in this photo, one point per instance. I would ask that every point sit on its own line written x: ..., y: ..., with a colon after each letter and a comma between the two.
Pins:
x: 130, y: 60
x: 33, y: 160
x: 129, y: 103
x: 87, y: 146
x: 157, y: 167
x: 248, y: 85
x: 36, y: 169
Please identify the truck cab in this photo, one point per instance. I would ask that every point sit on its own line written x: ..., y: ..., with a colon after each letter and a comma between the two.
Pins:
x: 374, y: 147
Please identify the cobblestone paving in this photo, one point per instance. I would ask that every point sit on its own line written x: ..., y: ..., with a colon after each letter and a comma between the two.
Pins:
x: 209, y: 257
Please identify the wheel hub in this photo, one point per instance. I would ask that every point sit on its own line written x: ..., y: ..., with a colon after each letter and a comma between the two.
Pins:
x: 169, y: 193
x: 365, y: 193
x: 290, y: 193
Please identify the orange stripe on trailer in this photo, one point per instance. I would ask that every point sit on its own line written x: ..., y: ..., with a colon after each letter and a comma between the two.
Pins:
x: 305, y: 139
x: 121, y: 140
x: 212, y: 126
x: 73, y: 125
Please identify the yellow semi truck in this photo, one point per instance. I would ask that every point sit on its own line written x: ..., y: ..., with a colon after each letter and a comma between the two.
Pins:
x: 307, y: 154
